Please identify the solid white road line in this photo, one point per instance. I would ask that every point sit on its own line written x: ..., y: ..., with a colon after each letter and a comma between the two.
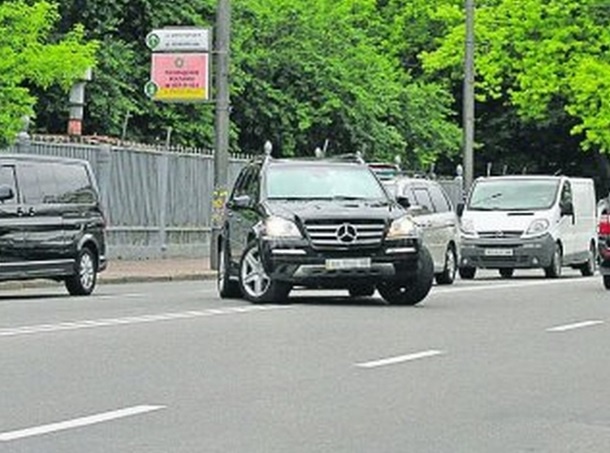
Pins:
x: 577, y: 325
x: 93, y: 323
x: 399, y: 359
x: 77, y: 422
x: 493, y: 286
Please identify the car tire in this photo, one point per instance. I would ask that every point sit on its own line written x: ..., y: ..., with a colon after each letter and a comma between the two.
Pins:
x: 397, y: 293
x: 256, y: 286
x: 606, y: 280
x: 588, y: 269
x: 362, y: 290
x: 467, y: 273
x: 506, y: 272
x: 227, y: 289
x: 554, y: 269
x: 84, y: 279
x: 447, y: 277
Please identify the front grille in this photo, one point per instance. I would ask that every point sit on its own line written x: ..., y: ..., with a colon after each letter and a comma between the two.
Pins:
x: 500, y: 234
x: 345, y: 233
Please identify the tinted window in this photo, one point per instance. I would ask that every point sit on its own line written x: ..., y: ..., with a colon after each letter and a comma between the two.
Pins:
x: 73, y: 184
x: 439, y: 198
x: 7, y: 178
x: 55, y: 183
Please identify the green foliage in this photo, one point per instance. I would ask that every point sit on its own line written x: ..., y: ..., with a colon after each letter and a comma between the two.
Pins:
x: 537, y: 54
x: 309, y: 71
x: 31, y: 56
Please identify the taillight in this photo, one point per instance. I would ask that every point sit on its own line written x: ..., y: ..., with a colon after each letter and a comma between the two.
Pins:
x: 603, y: 227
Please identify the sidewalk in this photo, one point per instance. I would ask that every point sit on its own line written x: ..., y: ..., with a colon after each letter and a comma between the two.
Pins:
x: 170, y: 269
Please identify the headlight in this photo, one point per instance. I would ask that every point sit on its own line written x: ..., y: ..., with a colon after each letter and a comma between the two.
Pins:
x: 402, y: 227
x: 278, y: 227
x: 538, y: 226
x: 467, y: 227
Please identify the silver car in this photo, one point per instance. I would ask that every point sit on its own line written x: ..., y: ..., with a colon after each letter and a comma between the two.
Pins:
x: 434, y: 213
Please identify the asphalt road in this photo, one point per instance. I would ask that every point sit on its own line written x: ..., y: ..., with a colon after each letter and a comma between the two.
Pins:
x: 489, y: 365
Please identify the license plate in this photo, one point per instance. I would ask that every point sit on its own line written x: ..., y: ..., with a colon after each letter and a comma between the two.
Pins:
x: 498, y: 252
x: 348, y: 263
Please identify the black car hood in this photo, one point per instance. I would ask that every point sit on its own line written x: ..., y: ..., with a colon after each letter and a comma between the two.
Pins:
x: 334, y: 209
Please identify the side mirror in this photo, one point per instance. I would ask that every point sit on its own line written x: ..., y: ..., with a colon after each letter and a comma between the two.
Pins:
x: 404, y: 202
x: 6, y: 193
x: 460, y: 209
x: 241, y: 201
x: 567, y: 208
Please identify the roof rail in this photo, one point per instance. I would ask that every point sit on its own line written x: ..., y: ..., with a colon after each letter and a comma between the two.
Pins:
x: 352, y: 157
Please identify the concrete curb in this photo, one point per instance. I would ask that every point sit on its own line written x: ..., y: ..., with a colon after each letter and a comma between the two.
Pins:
x: 111, y: 280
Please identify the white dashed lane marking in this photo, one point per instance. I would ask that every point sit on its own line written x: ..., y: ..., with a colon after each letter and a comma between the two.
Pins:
x: 577, y: 325
x: 77, y: 422
x: 399, y: 359
x: 94, y: 323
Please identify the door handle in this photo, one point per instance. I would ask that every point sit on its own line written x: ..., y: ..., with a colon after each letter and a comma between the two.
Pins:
x: 23, y: 212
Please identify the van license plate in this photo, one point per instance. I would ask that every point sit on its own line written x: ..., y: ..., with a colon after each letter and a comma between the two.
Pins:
x: 498, y: 252
x: 348, y: 263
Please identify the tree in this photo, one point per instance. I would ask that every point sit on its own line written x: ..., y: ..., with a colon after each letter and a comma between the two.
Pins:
x: 31, y: 55
x: 537, y: 55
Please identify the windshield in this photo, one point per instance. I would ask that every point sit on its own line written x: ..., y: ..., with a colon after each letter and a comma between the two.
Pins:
x: 322, y: 182
x: 513, y: 195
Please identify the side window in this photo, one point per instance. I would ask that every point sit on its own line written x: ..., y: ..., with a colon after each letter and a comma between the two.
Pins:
x: 37, y: 183
x: 423, y: 199
x: 7, y: 178
x: 439, y: 199
x: 252, y: 184
x: 240, y: 183
x: 73, y: 184
x: 566, y: 193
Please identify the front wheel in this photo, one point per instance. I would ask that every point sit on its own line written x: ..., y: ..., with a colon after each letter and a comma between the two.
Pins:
x: 226, y: 287
x: 588, y: 268
x: 507, y: 272
x: 255, y: 284
x: 554, y: 269
x: 447, y: 277
x: 467, y: 273
x: 607, y: 281
x: 415, y: 290
x: 83, y: 281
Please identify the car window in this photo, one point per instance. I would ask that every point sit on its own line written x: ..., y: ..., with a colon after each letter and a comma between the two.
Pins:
x: 322, y: 182
x: 241, y: 183
x: 73, y: 184
x: 439, y: 198
x: 566, y: 193
x: 7, y: 178
x: 37, y: 183
x: 423, y: 199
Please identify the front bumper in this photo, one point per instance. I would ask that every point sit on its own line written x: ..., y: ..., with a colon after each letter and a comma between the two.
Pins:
x: 298, y: 263
x: 513, y: 253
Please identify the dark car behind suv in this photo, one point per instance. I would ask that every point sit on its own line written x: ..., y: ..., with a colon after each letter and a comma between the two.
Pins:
x: 51, y: 221
x: 318, y: 224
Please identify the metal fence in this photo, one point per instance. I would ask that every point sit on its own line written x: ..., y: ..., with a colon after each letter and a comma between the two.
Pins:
x: 158, y: 203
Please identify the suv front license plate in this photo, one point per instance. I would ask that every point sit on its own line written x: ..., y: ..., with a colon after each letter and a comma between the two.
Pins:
x: 348, y: 263
x: 498, y: 252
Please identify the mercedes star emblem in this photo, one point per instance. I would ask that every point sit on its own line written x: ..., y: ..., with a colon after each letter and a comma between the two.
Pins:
x: 347, y: 233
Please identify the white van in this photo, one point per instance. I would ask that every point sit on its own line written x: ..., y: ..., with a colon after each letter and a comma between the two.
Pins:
x: 512, y: 222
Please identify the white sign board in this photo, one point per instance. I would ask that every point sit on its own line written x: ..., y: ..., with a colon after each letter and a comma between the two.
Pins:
x: 179, y: 39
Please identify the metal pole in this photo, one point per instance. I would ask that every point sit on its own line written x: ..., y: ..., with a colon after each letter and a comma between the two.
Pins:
x: 468, y: 106
x: 221, y: 151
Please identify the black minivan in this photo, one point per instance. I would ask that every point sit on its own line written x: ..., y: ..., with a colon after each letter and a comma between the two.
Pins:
x: 51, y: 221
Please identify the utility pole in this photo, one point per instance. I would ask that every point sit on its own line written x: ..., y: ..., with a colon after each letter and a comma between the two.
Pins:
x: 468, y: 103
x: 221, y: 147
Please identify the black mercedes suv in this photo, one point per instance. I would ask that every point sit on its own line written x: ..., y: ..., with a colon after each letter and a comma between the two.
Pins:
x: 324, y: 223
